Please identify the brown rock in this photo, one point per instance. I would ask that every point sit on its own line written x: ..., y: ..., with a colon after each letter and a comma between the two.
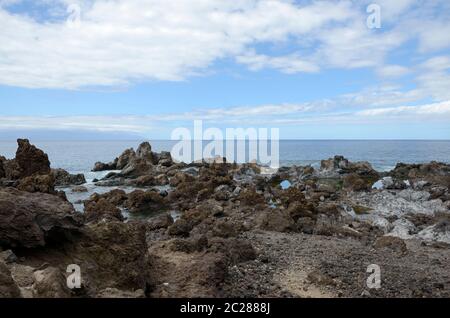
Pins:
x: 391, y: 242
x: 50, y: 283
x: 37, y: 183
x: 162, y: 221
x: 31, y: 160
x: 63, y: 178
x: 276, y: 220
x: 111, y: 255
x: 95, y: 211
x: 139, y: 201
x: 33, y: 219
x: 8, y: 288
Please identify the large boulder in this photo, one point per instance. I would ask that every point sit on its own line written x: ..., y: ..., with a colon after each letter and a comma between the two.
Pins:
x: 37, y: 183
x: 63, y: 178
x: 31, y: 160
x: 100, y: 166
x: 144, y: 151
x: 8, y: 288
x: 101, y: 210
x: 146, y: 202
x: 125, y: 158
x: 33, y: 219
x: 110, y: 255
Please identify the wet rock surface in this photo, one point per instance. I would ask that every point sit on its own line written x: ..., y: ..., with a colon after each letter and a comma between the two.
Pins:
x: 210, y: 229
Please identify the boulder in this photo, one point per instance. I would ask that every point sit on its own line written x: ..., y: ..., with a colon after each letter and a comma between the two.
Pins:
x: 144, y: 151
x: 31, y: 160
x: 110, y: 255
x: 101, y: 166
x: 146, y: 202
x: 33, y: 219
x: 50, y: 283
x: 8, y: 288
x: 63, y: 178
x: 116, y: 197
x: 162, y: 221
x: 101, y: 209
x: 125, y: 158
x: 37, y: 183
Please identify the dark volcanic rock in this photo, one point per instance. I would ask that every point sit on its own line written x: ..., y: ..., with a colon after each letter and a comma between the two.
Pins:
x: 112, y: 254
x: 31, y: 160
x: 100, y: 166
x: 33, y: 219
x: 2, y: 169
x: 63, y: 178
x: 37, y: 183
x: 100, y: 210
x: 8, y: 288
x: 147, y: 202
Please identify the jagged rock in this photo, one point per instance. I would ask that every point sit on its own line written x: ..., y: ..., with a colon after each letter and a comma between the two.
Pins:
x: 116, y: 197
x: 110, y: 255
x: 165, y: 159
x: 101, y: 209
x: 32, y: 219
x: 137, y: 167
x: 180, y: 227
x: 101, y: 166
x: 162, y: 221
x: 354, y: 182
x: 144, y: 151
x: 8, y: 288
x: 147, y: 202
x: 125, y: 158
x: 30, y: 159
x: 250, y: 197
x: 37, y: 183
x: 63, y: 178
x: 50, y: 283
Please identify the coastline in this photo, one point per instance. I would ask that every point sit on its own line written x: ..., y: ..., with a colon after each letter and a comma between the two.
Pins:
x: 155, y: 228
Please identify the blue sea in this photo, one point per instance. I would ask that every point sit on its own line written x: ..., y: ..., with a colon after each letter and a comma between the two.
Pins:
x: 80, y: 156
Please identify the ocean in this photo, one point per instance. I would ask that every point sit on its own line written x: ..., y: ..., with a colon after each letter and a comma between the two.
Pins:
x: 80, y: 156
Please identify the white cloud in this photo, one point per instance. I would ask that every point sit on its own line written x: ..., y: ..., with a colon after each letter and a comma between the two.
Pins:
x: 392, y: 71
x: 288, y: 64
x: 118, y: 42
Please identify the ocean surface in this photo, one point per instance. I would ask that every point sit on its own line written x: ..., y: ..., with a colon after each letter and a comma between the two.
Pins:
x: 80, y: 156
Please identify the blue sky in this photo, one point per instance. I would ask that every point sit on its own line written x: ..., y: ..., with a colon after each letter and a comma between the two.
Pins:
x: 313, y: 69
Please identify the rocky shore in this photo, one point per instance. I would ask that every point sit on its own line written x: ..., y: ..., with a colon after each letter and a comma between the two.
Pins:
x: 217, y: 229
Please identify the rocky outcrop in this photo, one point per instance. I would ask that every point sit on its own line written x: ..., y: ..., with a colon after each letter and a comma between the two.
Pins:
x: 34, y: 219
x: 101, y: 209
x: 8, y: 287
x: 2, y: 168
x: 31, y: 160
x: 111, y: 255
x: 63, y: 178
x: 37, y: 183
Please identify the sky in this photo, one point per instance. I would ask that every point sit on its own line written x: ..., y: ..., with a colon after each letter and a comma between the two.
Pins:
x: 141, y: 68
